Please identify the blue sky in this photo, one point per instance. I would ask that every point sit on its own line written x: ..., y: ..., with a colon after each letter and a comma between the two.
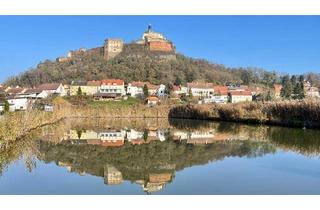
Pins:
x: 287, y: 44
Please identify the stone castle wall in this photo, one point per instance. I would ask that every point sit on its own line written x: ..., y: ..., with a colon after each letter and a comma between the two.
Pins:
x: 112, y: 48
x: 160, y: 46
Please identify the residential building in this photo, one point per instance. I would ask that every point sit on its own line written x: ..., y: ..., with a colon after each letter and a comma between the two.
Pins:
x: 135, y: 89
x: 53, y: 88
x: 152, y: 100
x: 111, y: 89
x: 33, y: 93
x: 220, y: 95
x: 112, y: 138
x: 240, y: 96
x: 14, y: 90
x: 201, y: 90
x: 18, y: 103
x: 87, y: 88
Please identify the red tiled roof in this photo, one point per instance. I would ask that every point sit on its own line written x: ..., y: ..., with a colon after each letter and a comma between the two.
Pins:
x: 241, y: 93
x: 49, y: 86
x: 33, y: 90
x: 112, y: 143
x: 113, y: 81
x: 139, y: 83
x: 153, y: 98
x: 15, y: 90
x: 222, y: 90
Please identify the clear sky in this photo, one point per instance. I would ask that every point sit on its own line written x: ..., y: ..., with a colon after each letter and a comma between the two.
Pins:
x: 287, y: 44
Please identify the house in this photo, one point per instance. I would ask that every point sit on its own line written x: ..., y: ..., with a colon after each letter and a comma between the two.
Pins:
x: 161, y: 91
x: 152, y: 100
x: 277, y: 90
x: 111, y: 89
x: 87, y: 88
x: 53, y: 88
x: 240, y: 96
x: 220, y: 94
x: 135, y: 89
x: 14, y: 90
x: 180, y: 90
x: 112, y: 138
x: 33, y: 93
x: 201, y: 90
x: 48, y: 108
x: 17, y: 103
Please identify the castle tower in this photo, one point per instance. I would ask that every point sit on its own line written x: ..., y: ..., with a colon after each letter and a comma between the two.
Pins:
x: 112, y: 48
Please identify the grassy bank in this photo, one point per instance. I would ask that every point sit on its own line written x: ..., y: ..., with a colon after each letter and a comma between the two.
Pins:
x: 304, y: 113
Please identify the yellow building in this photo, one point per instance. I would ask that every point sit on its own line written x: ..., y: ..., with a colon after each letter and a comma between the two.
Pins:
x: 88, y: 88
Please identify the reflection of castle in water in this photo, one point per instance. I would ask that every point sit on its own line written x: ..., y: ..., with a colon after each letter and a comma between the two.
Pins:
x: 148, y: 157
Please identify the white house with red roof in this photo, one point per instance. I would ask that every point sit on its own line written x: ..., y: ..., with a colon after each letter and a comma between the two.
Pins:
x: 135, y: 89
x: 220, y: 95
x: 111, y: 88
x: 240, y: 96
x: 200, y: 89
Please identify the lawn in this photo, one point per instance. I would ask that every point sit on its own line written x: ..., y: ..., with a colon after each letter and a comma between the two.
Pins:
x: 114, y: 104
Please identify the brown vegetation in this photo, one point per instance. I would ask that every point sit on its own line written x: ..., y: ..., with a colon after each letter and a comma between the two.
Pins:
x: 304, y: 113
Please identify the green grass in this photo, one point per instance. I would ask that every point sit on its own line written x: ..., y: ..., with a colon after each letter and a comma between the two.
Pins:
x: 114, y: 104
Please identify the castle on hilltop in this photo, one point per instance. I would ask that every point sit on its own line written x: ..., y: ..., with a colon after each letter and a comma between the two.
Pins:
x: 152, y: 41
x: 156, y: 41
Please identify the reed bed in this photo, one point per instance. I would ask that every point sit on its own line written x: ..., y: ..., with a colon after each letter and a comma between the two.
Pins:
x: 304, y: 113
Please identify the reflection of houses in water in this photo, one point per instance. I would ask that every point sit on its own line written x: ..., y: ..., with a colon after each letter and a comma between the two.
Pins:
x: 135, y: 137
x: 107, y: 138
x: 112, y: 176
x: 200, y: 137
x: 147, y: 136
x: 195, y: 137
x: 112, y: 138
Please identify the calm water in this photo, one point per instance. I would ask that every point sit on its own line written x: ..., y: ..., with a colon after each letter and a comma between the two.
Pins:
x: 161, y: 157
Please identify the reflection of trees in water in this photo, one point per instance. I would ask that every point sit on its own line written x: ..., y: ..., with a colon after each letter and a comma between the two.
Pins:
x: 25, y: 148
x: 137, y: 162
x: 306, y: 142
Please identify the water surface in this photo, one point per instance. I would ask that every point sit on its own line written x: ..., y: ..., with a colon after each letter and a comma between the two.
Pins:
x: 103, y: 156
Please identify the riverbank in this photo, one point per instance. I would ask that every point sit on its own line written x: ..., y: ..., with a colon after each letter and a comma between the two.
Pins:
x: 304, y: 114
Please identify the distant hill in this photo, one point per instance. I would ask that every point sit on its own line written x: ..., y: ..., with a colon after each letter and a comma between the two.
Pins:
x: 137, y: 63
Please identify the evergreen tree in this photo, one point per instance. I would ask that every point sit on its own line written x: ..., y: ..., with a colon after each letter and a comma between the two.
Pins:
x: 268, y: 97
x: 177, y: 81
x: 286, y: 90
x: 6, y: 106
x: 145, y: 91
x: 79, y: 92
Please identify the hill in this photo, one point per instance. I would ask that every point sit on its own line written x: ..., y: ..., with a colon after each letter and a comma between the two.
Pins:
x: 137, y: 63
